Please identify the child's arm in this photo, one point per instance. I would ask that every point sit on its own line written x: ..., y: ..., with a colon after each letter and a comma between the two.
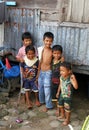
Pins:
x: 20, y: 59
x: 39, y: 66
x: 38, y: 71
x: 58, y: 91
x: 19, y: 56
x: 74, y: 81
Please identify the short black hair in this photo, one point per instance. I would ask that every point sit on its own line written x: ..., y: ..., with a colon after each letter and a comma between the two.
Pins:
x: 66, y: 65
x: 29, y: 47
x: 26, y: 35
x: 49, y: 35
x: 57, y: 48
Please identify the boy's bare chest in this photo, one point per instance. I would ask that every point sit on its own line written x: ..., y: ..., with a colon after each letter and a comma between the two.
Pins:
x: 47, y: 55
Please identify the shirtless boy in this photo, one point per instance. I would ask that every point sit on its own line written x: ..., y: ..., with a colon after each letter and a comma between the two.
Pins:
x: 45, y: 72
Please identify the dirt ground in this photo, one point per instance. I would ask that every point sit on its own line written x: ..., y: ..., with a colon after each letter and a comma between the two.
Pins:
x: 81, y: 97
x: 80, y: 108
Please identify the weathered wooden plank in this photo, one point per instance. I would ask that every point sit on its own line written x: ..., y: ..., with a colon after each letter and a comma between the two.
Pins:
x: 68, y: 9
x: 77, y: 10
x: 86, y: 11
x: 75, y: 25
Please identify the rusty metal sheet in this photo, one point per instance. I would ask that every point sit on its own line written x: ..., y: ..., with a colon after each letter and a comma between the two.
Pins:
x: 74, y: 39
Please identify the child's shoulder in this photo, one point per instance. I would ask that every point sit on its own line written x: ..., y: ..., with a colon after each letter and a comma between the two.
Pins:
x: 22, y: 48
x: 40, y: 49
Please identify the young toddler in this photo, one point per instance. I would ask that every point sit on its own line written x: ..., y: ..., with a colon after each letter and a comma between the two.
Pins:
x: 65, y: 91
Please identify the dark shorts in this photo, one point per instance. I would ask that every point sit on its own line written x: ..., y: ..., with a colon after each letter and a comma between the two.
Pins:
x: 65, y: 102
x: 30, y: 85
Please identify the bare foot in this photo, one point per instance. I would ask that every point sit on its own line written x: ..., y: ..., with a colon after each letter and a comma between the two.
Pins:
x: 57, y: 113
x: 38, y: 104
x: 61, y: 118
x: 46, y: 109
x: 65, y: 123
x: 30, y: 106
x: 31, y: 102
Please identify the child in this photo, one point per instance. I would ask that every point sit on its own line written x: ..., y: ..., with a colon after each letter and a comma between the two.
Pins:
x: 57, y: 59
x: 29, y: 70
x: 44, y: 79
x: 27, y: 40
x: 65, y: 91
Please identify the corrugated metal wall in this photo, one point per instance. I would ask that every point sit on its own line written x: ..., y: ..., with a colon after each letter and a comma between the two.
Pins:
x: 20, y: 20
x: 74, y: 39
x: 1, y: 34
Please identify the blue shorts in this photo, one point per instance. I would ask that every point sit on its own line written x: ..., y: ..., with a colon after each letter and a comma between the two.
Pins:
x: 30, y: 85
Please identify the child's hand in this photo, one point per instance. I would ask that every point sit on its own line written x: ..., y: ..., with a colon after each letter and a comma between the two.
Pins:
x: 34, y: 66
x: 72, y: 78
x: 57, y: 94
x: 36, y: 81
x: 74, y: 81
x: 21, y: 60
x: 62, y: 59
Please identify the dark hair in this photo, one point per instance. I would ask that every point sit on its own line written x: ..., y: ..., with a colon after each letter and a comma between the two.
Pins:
x: 66, y: 65
x: 26, y: 35
x: 49, y: 35
x: 57, y: 48
x: 29, y: 47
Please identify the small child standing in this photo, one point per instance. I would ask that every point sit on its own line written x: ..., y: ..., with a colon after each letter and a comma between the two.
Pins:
x: 57, y: 59
x: 45, y: 72
x: 65, y: 91
x: 29, y: 70
x: 27, y: 40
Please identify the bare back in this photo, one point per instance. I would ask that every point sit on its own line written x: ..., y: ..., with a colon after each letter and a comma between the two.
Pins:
x: 46, y: 59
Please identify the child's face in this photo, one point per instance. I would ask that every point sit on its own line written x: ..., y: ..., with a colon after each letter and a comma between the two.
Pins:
x: 64, y: 72
x: 27, y: 41
x: 48, y: 42
x: 30, y: 54
x: 57, y: 55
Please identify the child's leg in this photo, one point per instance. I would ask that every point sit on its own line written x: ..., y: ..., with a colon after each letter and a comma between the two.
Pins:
x: 67, y: 106
x: 23, y: 98
x: 36, y: 99
x: 57, y: 110
x: 48, y: 98
x: 62, y: 113
x: 29, y: 102
x: 67, y: 120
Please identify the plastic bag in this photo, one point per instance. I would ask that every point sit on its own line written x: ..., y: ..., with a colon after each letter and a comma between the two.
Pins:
x: 14, y: 71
